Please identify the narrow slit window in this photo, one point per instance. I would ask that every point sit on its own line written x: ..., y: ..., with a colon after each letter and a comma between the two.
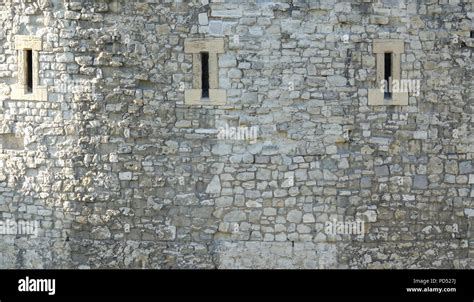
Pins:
x: 205, y: 67
x: 472, y: 33
x: 388, y: 75
x: 388, y: 55
x: 205, y: 74
x: 28, y: 86
x: 29, y: 69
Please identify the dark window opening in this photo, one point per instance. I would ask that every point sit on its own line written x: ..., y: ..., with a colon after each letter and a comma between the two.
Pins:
x: 472, y: 33
x: 388, y: 75
x: 205, y: 74
x: 29, y: 69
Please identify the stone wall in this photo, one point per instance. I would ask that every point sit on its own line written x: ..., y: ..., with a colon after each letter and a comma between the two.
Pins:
x: 121, y: 173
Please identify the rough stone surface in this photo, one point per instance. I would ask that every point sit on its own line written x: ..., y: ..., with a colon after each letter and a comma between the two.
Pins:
x: 120, y: 173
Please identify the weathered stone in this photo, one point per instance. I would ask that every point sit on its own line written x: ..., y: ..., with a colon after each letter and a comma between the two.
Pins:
x: 235, y: 216
x: 308, y: 218
x: 465, y: 167
x: 214, y: 186
x: 420, y: 135
x: 66, y: 57
x: 294, y: 216
x: 435, y: 166
x: 125, y: 175
x: 246, y: 176
x: 452, y: 167
x: 166, y: 233
x: 337, y: 80
x: 471, y: 179
x: 203, y: 20
x: 420, y: 182
x: 101, y: 232
x: 227, y: 60
x: 221, y: 149
x: 381, y: 171
x: 381, y: 20
x: 368, y: 216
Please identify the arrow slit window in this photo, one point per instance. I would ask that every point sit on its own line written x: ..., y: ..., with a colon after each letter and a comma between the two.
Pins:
x: 205, y: 74
x: 28, y: 86
x: 388, y: 75
x: 29, y: 70
x: 387, y: 59
x: 205, y: 61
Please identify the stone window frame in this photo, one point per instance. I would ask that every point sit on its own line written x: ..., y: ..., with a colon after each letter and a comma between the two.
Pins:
x: 20, y: 89
x: 376, y: 95
x: 214, y: 47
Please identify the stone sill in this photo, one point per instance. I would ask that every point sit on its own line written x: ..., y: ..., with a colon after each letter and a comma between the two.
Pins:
x: 217, y: 97
x: 376, y: 98
x: 39, y: 93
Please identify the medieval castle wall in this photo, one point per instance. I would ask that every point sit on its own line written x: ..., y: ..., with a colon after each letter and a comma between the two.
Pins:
x: 123, y: 164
